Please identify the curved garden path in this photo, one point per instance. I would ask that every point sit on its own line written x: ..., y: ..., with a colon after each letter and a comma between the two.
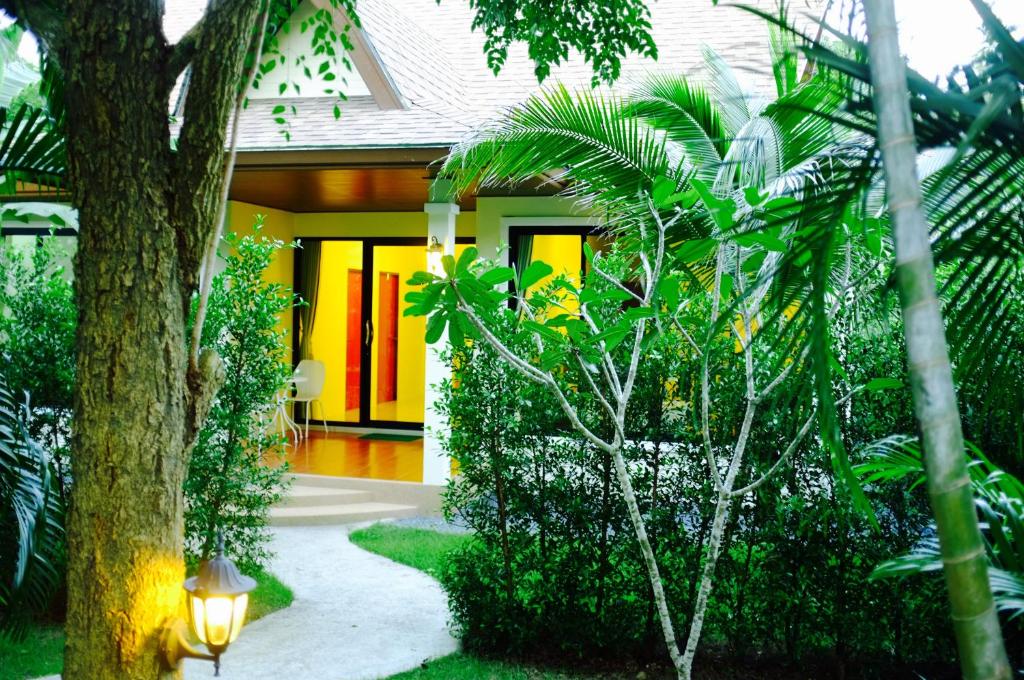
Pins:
x: 356, y: 616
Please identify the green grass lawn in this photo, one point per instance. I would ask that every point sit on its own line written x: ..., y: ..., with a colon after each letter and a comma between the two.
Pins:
x: 426, y: 550
x: 465, y: 667
x: 41, y: 652
x: 418, y: 548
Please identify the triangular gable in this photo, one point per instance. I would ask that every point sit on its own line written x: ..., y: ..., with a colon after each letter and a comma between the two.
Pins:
x: 299, y: 70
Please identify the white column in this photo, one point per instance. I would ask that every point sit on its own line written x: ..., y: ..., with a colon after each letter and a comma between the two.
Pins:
x: 436, y: 464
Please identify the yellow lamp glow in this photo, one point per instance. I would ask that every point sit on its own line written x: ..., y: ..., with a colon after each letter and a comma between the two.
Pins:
x: 218, y: 599
x: 218, y: 620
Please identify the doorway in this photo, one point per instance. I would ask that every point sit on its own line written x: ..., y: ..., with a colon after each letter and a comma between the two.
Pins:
x: 375, y: 358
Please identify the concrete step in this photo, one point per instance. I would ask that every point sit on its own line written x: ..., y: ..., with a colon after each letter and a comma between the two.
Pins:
x: 426, y: 497
x: 300, y: 496
x: 338, y: 514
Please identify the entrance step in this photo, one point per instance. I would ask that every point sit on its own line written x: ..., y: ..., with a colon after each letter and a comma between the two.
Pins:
x: 312, y: 496
x: 314, y: 500
x: 346, y: 513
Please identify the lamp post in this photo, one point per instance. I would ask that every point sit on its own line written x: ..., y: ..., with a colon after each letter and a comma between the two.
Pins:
x: 218, y: 597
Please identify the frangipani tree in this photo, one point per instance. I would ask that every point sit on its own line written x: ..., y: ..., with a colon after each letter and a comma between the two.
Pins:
x: 587, y: 338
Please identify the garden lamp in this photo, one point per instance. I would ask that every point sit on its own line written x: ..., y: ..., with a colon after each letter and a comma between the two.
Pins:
x: 217, y: 599
x: 435, y: 251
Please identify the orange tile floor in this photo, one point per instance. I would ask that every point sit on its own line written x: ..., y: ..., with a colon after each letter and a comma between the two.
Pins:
x: 340, y: 454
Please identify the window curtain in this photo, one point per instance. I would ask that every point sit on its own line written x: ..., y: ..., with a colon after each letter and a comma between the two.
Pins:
x: 309, y: 288
x: 524, y: 254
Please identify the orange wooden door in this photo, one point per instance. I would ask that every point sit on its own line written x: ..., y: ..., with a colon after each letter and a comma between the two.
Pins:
x: 353, y: 338
x: 387, y: 338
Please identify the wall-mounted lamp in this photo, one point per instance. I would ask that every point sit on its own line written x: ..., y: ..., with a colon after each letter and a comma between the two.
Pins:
x: 435, y: 251
x: 217, y: 599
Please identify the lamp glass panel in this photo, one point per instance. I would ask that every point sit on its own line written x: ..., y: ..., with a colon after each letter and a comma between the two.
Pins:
x: 219, y: 611
x: 238, y: 618
x: 198, y: 618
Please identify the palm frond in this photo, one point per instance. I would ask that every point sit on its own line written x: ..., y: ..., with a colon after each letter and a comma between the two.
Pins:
x: 998, y: 495
x: 737, y: 104
x: 971, y: 133
x: 32, y: 534
x: 783, y: 48
x: 687, y: 114
x: 609, y: 156
x: 32, y: 150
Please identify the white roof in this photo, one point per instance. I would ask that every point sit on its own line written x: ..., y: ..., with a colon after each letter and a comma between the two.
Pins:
x: 439, y: 67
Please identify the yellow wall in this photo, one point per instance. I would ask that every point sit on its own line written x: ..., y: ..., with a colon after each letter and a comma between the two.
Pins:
x: 277, y: 224
x: 383, y: 224
x: 563, y: 252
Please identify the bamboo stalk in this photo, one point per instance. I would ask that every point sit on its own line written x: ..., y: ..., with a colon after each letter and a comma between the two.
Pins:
x: 975, y: 621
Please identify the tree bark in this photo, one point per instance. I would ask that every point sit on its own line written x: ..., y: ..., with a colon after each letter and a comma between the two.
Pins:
x: 976, y: 623
x: 137, y: 407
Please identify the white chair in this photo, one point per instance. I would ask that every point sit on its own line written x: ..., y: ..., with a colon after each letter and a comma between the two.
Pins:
x: 309, y: 380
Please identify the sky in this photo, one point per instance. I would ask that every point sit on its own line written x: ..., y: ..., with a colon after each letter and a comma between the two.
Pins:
x: 936, y: 35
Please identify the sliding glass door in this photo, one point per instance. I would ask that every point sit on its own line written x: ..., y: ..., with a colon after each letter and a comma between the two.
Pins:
x: 397, y: 352
x: 374, y: 357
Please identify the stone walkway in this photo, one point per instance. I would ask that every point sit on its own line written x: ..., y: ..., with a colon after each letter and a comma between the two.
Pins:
x: 356, y: 616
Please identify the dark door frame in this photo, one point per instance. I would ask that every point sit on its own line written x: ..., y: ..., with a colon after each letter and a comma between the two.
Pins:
x: 365, y: 356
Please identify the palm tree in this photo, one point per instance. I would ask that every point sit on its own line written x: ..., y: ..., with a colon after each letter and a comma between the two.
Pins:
x: 32, y: 153
x: 609, y: 149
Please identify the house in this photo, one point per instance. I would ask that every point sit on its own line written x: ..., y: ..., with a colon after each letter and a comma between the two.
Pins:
x: 358, y: 191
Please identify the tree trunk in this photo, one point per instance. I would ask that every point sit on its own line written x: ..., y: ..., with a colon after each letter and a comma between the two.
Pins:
x: 125, y: 526
x: 144, y: 216
x: 979, y: 640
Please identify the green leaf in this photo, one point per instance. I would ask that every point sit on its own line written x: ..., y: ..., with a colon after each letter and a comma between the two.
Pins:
x: 722, y: 210
x: 588, y: 253
x: 753, y: 263
x: 435, y: 326
x: 552, y: 358
x: 879, y: 384
x: 534, y: 273
x: 726, y: 287
x: 752, y: 238
x: 467, y: 258
x: 448, y: 264
x: 695, y: 250
x: 456, y: 336
x: 753, y: 196
x: 421, y: 278
x: 668, y: 287
x: 497, y: 276
x: 637, y: 313
x: 543, y: 331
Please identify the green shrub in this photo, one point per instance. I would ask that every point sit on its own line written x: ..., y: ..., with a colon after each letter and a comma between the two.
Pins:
x: 230, y: 485
x: 38, y: 318
x: 554, y: 568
